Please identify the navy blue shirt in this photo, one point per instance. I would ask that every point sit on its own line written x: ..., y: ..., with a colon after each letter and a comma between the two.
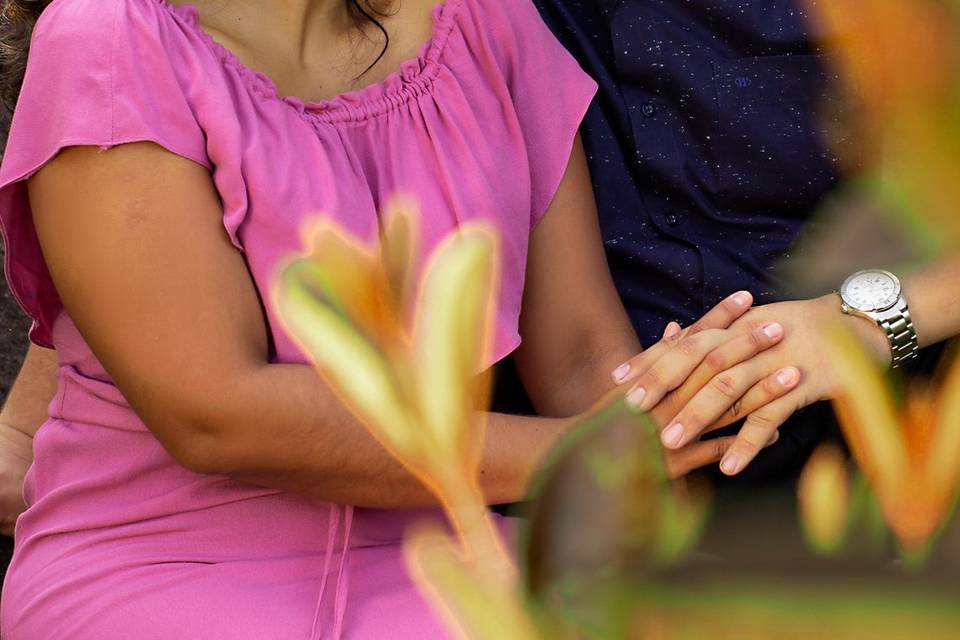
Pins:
x: 704, y: 143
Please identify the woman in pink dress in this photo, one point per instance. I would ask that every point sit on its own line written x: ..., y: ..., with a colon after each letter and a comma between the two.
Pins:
x: 196, y: 478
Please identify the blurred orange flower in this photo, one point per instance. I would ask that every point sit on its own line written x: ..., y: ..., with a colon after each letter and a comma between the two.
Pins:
x: 909, y: 454
x: 824, y: 499
x: 901, y: 63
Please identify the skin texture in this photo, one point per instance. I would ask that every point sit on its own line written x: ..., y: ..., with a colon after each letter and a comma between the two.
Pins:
x: 23, y: 413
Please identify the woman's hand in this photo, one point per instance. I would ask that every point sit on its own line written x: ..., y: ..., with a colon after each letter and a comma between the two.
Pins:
x: 792, y: 374
x: 709, y: 371
x: 16, y: 455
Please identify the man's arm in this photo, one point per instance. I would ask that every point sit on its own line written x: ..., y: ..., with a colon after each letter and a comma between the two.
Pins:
x: 23, y: 413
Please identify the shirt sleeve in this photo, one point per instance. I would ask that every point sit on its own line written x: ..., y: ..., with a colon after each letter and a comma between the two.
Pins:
x: 98, y: 75
x: 551, y: 94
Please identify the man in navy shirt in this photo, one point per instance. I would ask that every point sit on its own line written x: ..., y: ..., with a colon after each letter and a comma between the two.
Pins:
x: 707, y: 148
x: 704, y: 147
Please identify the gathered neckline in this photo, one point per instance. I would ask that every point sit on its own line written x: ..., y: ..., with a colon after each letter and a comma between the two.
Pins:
x: 412, y: 79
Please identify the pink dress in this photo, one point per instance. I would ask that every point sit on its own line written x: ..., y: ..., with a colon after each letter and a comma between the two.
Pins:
x: 119, y: 541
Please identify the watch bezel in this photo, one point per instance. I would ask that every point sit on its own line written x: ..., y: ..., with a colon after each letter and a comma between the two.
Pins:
x: 846, y: 283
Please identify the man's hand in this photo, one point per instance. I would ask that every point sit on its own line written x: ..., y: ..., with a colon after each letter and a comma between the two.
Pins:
x: 802, y: 348
x: 16, y: 455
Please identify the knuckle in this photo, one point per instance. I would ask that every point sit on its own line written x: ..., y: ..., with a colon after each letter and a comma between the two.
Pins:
x: 736, y: 409
x: 715, y: 361
x: 652, y: 378
x: 689, y: 344
x: 692, y: 418
x: 759, y: 421
x: 719, y: 447
x: 694, y: 329
x: 753, y: 441
x: 725, y: 385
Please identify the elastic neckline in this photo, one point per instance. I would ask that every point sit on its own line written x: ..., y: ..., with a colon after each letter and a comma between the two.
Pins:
x: 413, y: 78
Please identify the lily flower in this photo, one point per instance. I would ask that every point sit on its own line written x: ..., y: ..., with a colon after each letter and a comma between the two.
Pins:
x: 404, y: 347
x: 406, y: 359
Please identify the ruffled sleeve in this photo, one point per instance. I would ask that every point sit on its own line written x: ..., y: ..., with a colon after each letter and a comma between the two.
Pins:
x: 551, y: 94
x: 98, y: 75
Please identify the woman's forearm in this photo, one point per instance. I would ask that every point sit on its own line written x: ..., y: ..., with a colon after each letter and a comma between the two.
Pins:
x: 26, y: 406
x: 934, y: 298
x: 282, y: 427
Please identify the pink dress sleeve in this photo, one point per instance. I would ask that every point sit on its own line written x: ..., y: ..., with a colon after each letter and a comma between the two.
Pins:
x: 98, y: 75
x: 551, y: 93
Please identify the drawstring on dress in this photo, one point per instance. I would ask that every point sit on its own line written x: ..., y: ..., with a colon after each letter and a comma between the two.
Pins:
x: 343, y: 573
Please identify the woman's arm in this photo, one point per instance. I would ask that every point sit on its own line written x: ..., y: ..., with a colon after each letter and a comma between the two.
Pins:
x: 26, y: 406
x: 574, y: 327
x: 23, y: 413
x: 134, y: 241
x: 576, y: 331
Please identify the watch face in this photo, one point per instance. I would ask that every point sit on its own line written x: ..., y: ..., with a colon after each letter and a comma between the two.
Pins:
x: 871, y: 290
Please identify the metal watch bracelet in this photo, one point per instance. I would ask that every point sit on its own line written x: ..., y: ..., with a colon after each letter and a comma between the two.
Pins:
x: 899, y: 328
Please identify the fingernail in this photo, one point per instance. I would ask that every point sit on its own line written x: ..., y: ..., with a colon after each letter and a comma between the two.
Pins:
x: 672, y: 435
x: 730, y: 464
x: 788, y: 377
x: 773, y: 330
x: 773, y: 438
x: 742, y: 299
x: 635, y: 397
x: 620, y: 373
x: 672, y: 329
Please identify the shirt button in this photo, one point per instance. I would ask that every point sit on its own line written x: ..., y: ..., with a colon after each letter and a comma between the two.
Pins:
x: 673, y: 219
x: 648, y: 109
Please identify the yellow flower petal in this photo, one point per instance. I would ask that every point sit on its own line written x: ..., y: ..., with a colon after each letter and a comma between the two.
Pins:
x: 867, y: 414
x: 351, y: 278
x: 824, y: 496
x: 472, y: 607
x: 451, y: 337
x: 357, y: 368
x: 943, y: 463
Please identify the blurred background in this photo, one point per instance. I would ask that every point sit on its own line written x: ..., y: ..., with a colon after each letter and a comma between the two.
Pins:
x: 13, y: 324
x: 12, y: 345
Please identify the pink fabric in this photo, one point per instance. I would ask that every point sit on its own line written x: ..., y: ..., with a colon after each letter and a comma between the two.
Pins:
x: 121, y: 542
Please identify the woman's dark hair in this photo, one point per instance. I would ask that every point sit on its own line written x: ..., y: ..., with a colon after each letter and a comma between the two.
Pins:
x: 17, y: 18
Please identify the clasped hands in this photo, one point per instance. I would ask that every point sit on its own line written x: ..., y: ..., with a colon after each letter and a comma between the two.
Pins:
x: 759, y: 363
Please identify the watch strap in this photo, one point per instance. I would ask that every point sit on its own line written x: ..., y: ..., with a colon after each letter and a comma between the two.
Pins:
x: 898, y: 326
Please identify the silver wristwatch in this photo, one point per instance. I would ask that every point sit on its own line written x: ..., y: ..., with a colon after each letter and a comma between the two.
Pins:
x: 877, y: 295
